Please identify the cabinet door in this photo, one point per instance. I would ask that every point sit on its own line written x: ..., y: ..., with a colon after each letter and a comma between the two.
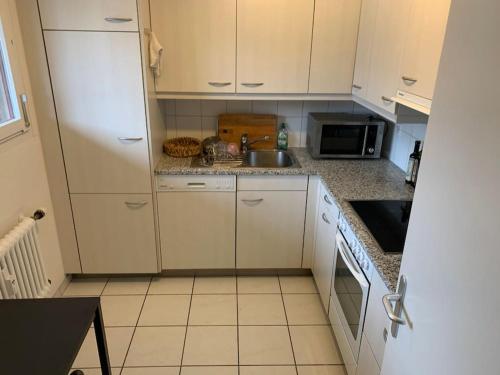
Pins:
x: 423, y: 45
x: 197, y: 229
x: 274, y: 45
x: 367, y: 365
x: 368, y: 21
x: 115, y: 233
x: 270, y: 229
x: 334, y: 45
x: 98, y: 91
x: 324, y: 250
x: 388, y: 39
x: 105, y: 15
x: 376, y: 321
x: 199, y: 41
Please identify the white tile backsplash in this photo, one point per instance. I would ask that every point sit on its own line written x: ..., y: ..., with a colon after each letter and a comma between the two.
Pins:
x: 198, y: 118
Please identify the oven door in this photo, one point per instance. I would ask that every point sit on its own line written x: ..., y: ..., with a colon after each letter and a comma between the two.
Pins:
x: 347, y: 141
x: 349, y: 293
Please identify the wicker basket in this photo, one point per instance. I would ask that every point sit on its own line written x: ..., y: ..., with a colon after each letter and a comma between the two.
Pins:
x: 182, y: 147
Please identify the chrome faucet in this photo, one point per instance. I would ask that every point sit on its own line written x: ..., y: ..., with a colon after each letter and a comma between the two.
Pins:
x: 245, y: 143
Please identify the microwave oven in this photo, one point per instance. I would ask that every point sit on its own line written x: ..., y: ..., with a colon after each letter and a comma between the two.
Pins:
x: 344, y: 135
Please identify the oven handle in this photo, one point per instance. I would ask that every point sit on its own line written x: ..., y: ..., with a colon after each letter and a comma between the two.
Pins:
x: 358, y: 275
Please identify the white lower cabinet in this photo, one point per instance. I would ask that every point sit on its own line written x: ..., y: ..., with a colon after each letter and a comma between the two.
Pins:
x: 115, y: 233
x: 197, y: 229
x: 367, y: 365
x: 376, y: 321
x: 324, y: 249
x: 270, y: 229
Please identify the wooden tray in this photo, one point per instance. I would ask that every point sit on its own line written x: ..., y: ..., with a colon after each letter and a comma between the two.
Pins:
x: 232, y: 126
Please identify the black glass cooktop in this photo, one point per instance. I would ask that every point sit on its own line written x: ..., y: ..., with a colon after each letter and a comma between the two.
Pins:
x: 387, y: 221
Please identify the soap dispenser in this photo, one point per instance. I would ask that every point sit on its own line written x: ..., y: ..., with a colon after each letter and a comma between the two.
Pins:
x: 282, y: 137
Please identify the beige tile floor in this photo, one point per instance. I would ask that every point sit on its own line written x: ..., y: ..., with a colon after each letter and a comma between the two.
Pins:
x: 210, y: 325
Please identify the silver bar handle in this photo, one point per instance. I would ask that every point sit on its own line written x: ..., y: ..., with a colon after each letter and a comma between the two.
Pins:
x: 196, y: 185
x: 358, y: 87
x: 118, y: 19
x: 327, y: 200
x: 387, y: 100
x: 252, y: 201
x: 219, y: 84
x: 24, y: 106
x: 136, y: 204
x: 252, y: 84
x: 325, y: 219
x: 386, y: 300
x: 133, y: 139
x: 409, y: 80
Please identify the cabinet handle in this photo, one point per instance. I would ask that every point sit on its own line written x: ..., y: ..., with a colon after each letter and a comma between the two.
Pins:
x: 219, y: 84
x: 196, y: 185
x: 358, y: 87
x: 118, y: 19
x: 323, y: 216
x: 408, y: 80
x: 252, y: 201
x: 252, y: 84
x: 327, y: 200
x: 134, y: 139
x: 136, y: 204
x: 387, y: 100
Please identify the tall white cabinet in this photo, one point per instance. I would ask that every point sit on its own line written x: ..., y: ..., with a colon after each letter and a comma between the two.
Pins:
x: 94, y: 58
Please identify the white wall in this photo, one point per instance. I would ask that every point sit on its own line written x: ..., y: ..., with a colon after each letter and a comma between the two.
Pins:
x: 24, y: 187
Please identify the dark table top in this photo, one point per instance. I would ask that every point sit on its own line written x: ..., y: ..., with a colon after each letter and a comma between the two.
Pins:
x: 43, y: 336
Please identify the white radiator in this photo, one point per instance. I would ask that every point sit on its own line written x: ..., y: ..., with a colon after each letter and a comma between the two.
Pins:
x: 22, y: 274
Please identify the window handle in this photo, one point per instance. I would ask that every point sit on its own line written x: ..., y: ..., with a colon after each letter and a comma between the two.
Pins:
x: 24, y: 107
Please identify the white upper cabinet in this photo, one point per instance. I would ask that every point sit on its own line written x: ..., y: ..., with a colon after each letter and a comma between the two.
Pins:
x: 367, y: 23
x: 98, y: 92
x: 334, y: 46
x: 388, y: 41
x: 274, y: 45
x: 199, y: 41
x: 104, y: 15
x: 423, y: 45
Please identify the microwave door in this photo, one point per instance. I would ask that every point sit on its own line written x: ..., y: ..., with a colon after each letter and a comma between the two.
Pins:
x: 346, y: 141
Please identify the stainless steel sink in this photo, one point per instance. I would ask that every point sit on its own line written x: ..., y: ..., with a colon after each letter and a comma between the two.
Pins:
x: 268, y: 159
x: 253, y: 159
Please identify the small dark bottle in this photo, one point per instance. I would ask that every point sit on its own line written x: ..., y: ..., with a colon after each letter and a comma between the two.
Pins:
x: 413, y: 165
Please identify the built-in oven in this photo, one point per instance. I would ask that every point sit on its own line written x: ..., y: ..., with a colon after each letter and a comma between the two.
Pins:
x: 344, y: 135
x: 349, y: 292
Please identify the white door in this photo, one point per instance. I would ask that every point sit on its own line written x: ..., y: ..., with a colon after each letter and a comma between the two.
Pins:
x: 270, y: 229
x: 115, y: 232
x: 98, y: 91
x: 197, y: 229
x: 274, y: 45
x: 333, y: 51
x: 452, y: 256
x: 199, y: 41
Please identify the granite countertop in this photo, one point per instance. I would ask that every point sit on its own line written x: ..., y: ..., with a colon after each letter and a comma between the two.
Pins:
x: 345, y: 179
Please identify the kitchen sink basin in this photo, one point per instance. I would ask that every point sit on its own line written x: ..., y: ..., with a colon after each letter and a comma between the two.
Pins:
x: 268, y: 159
x: 253, y: 159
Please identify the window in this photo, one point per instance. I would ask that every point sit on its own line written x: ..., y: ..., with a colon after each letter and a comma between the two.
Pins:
x: 12, y: 103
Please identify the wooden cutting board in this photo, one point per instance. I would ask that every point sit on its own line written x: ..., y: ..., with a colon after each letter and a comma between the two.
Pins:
x: 232, y: 126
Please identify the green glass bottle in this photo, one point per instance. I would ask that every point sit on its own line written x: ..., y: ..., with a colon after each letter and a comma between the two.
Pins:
x: 282, y: 137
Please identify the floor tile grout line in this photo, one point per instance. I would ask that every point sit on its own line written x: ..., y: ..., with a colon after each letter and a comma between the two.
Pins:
x: 288, y: 327
x: 187, y: 325
x: 135, y: 328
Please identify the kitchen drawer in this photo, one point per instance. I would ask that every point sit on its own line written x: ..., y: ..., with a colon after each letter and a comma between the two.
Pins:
x: 102, y: 15
x: 327, y: 203
x: 376, y: 318
x: 272, y: 183
x: 115, y: 233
